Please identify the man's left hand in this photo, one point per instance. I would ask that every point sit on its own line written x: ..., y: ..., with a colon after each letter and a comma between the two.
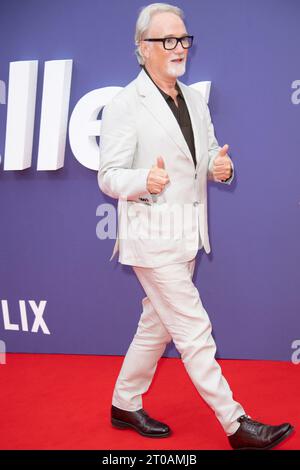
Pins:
x: 222, y: 169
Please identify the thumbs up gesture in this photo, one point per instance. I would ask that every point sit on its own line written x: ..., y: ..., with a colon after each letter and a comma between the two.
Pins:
x: 157, y: 177
x: 222, y: 168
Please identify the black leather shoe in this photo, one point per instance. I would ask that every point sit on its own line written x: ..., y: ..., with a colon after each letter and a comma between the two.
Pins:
x: 252, y: 435
x: 139, y: 421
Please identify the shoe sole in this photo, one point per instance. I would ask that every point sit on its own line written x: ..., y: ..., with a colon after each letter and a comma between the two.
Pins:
x: 121, y: 425
x: 273, y: 444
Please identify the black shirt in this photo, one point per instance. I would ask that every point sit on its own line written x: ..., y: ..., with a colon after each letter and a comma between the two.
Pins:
x: 181, y: 114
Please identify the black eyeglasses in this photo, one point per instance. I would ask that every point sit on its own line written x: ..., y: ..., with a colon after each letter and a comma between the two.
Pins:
x: 171, y: 42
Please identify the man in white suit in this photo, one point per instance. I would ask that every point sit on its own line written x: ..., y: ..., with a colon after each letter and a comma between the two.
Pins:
x: 157, y: 150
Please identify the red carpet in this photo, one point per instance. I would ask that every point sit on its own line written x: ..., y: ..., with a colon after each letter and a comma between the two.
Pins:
x: 63, y: 402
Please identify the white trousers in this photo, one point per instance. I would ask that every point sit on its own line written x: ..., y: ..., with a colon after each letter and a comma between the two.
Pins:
x: 172, y: 310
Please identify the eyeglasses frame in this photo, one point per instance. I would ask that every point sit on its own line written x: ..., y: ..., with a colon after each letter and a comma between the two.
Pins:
x: 171, y: 37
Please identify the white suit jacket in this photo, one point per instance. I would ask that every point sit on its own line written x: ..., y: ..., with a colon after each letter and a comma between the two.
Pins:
x: 137, y: 127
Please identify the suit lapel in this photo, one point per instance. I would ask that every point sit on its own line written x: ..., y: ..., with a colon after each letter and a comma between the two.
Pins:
x: 191, y: 105
x: 157, y: 106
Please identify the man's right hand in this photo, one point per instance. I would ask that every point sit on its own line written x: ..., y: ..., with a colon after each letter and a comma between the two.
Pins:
x: 157, y: 177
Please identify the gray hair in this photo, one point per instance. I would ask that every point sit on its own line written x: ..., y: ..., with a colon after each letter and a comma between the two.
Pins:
x: 144, y: 19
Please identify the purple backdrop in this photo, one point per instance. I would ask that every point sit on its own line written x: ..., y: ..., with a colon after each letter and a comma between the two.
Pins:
x: 249, y: 285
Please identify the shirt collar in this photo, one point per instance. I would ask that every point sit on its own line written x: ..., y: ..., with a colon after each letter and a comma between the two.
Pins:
x: 165, y: 95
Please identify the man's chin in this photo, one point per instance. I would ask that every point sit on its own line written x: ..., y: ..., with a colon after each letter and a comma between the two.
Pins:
x: 176, y: 71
